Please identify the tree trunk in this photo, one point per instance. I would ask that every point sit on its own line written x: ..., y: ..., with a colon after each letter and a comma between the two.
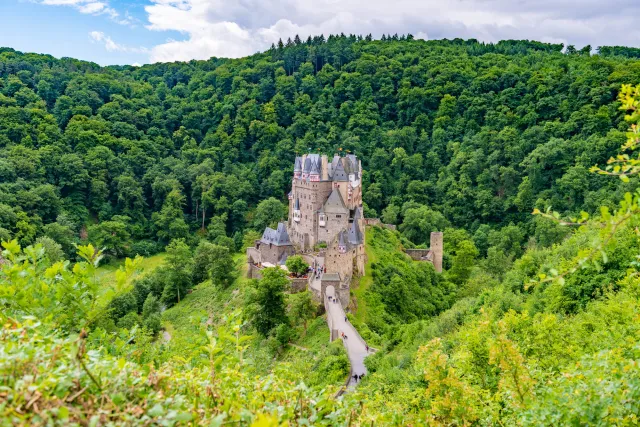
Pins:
x: 204, y: 214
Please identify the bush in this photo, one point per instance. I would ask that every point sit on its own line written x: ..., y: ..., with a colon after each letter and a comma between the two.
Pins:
x: 129, y: 320
x: 123, y: 304
x: 145, y: 248
x: 153, y: 323
x: 297, y: 265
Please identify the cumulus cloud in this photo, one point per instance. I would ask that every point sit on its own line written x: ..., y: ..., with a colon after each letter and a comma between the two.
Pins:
x: 241, y: 27
x: 111, y: 46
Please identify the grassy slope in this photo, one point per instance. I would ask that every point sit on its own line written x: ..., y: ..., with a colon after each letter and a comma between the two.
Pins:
x: 208, y: 303
x: 365, y: 282
x: 107, y: 273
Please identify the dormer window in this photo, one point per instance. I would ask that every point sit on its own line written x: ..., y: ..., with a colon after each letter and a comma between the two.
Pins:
x: 322, y: 220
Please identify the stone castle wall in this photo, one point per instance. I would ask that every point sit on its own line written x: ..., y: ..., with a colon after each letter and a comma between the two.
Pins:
x: 417, y: 254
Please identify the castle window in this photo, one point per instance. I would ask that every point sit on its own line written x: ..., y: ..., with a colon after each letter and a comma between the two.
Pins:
x: 338, y: 216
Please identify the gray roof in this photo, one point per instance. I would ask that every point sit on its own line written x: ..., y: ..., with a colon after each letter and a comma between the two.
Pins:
x: 298, y: 165
x: 307, y: 165
x: 357, y: 214
x: 331, y: 277
x: 283, y: 258
x: 335, y: 203
x: 342, y: 241
x: 355, y: 236
x: 316, y: 163
x: 278, y: 237
x: 339, y: 173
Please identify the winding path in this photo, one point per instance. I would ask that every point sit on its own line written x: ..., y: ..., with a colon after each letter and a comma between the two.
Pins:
x: 355, y: 345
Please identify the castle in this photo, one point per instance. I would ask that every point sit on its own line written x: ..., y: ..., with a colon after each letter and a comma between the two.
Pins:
x: 325, y: 215
x: 326, y: 226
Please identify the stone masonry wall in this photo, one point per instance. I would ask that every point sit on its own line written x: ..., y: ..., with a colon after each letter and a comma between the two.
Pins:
x: 311, y: 196
x: 417, y: 254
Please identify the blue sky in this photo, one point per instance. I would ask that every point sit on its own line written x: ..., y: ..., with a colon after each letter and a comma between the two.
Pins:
x: 144, y: 31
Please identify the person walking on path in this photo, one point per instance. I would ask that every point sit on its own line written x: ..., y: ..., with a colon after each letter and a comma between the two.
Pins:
x: 367, y: 347
x: 345, y: 319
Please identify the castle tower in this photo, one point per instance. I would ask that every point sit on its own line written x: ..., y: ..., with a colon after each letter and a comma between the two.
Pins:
x: 437, y: 250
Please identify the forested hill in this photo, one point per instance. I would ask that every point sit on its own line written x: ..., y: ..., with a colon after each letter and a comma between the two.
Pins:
x: 479, y: 133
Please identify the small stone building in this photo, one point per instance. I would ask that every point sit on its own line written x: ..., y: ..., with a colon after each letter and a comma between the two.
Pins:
x: 271, y: 250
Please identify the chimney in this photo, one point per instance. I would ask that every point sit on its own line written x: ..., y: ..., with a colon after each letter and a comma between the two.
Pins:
x: 436, y: 249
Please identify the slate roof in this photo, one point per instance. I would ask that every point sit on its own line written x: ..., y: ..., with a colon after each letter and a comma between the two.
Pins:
x: 357, y: 214
x: 332, y: 277
x: 342, y: 241
x: 355, y: 236
x: 335, y: 203
x: 339, y: 174
x: 278, y: 237
x: 298, y: 165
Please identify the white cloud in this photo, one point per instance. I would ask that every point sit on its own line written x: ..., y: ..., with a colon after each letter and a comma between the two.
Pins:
x: 240, y: 27
x: 111, y: 46
x: 91, y: 7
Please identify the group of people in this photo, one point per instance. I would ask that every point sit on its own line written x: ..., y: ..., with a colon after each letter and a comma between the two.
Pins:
x: 344, y: 336
x: 357, y: 377
x: 317, y: 271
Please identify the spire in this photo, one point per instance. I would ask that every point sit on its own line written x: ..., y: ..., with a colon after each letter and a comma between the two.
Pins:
x: 342, y: 244
x: 355, y: 236
x: 357, y: 214
x: 339, y: 173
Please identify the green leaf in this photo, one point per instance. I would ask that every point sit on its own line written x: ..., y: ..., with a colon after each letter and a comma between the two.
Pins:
x: 63, y: 412
x: 156, y: 411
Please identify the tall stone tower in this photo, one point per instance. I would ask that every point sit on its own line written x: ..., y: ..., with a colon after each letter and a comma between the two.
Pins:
x: 437, y: 250
x: 325, y: 195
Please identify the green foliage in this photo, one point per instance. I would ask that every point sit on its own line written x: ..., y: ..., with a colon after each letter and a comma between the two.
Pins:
x: 297, y: 265
x: 179, y: 268
x: 266, y: 302
x: 402, y: 290
x: 450, y: 132
x: 112, y: 236
x: 52, y: 250
x: 454, y: 135
x: 268, y: 213
x: 302, y: 307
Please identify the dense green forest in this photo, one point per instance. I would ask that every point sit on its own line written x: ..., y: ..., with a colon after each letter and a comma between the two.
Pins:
x: 533, y: 322
x: 452, y: 133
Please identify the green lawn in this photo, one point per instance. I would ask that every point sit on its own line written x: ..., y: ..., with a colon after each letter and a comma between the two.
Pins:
x: 107, y: 273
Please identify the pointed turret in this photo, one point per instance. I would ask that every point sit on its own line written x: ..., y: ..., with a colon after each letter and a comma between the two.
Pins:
x: 342, y: 242
x: 355, y: 236
x: 339, y: 174
x: 297, y: 168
